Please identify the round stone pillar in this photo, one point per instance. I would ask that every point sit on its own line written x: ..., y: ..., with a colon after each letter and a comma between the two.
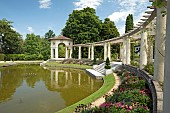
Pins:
x: 92, y: 52
x: 166, y: 94
x: 143, y: 49
x: 109, y: 51
x: 127, y: 50
x: 89, y: 52
x: 160, y: 45
x: 79, y: 52
x: 124, y: 51
x: 105, y: 51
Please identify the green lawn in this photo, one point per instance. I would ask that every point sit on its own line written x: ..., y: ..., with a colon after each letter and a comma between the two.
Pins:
x: 109, y: 82
x: 55, y: 64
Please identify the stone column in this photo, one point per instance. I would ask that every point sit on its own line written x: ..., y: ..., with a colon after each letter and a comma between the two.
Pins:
x: 108, y: 54
x: 71, y: 51
x: 124, y: 51
x: 56, y: 53
x: 89, y: 52
x: 121, y: 51
x: 92, y: 52
x: 79, y: 52
x: 105, y: 51
x: 143, y: 49
x: 52, y: 54
x: 166, y: 94
x: 66, y: 55
x: 160, y: 45
x: 127, y: 50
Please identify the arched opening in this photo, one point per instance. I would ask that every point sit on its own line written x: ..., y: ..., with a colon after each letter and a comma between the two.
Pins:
x: 61, y: 50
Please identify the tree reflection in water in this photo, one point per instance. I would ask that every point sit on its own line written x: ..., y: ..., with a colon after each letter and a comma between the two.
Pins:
x: 47, y: 90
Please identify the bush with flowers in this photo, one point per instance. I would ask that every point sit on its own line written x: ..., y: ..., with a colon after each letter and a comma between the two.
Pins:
x: 132, y: 96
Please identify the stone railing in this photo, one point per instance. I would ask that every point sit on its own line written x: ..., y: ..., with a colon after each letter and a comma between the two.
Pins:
x: 149, y: 81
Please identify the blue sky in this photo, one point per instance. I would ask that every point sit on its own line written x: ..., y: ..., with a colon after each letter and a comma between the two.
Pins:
x: 38, y: 16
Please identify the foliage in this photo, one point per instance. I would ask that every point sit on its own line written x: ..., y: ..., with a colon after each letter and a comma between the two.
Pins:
x: 10, y: 41
x: 19, y: 57
x: 149, y: 68
x: 107, y: 65
x: 134, y: 63
x: 132, y: 96
x: 108, y: 30
x: 2, y: 57
x: 94, y: 61
x: 49, y: 34
x: 132, y: 51
x: 129, y: 23
x: 61, y: 50
x: 83, y: 26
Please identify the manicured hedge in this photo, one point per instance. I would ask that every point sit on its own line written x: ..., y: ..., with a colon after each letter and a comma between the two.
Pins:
x: 25, y: 57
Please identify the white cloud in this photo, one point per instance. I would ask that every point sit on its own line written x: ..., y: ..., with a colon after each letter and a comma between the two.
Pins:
x: 30, y: 29
x: 87, y: 3
x: 45, y: 3
x: 125, y: 7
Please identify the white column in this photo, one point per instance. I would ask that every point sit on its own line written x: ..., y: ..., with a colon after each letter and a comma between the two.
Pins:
x: 66, y: 74
x: 166, y: 94
x: 105, y: 51
x: 143, y: 49
x: 71, y: 51
x: 109, y: 51
x: 124, y: 51
x: 89, y: 52
x: 92, y: 52
x: 56, y: 53
x: 128, y: 50
x: 160, y: 45
x: 121, y: 52
x: 79, y: 52
x: 66, y: 54
x: 52, y: 54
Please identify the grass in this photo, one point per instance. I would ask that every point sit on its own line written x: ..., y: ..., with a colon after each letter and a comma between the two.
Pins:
x: 109, y: 82
x: 55, y: 64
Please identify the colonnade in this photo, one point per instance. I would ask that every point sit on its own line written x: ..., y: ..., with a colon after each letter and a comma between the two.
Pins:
x: 107, y: 51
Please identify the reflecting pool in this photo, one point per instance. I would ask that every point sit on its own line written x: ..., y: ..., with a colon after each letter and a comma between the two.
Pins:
x: 32, y: 89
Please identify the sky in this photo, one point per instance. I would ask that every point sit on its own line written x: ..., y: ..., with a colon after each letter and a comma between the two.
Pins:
x: 39, y: 16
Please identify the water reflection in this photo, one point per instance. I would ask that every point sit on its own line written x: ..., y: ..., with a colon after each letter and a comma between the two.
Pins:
x: 43, y: 90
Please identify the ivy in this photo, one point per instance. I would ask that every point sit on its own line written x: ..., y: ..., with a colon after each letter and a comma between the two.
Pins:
x: 159, y: 4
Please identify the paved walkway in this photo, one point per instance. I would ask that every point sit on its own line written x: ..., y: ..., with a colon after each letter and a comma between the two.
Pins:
x: 101, y: 100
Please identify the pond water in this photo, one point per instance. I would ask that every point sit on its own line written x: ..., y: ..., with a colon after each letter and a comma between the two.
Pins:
x: 32, y: 89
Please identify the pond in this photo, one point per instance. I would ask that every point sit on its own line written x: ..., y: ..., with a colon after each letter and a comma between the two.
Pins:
x: 33, y: 89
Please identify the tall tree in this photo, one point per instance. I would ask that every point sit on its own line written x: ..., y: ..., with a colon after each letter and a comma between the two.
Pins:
x: 10, y: 41
x: 32, y: 44
x: 49, y: 34
x: 108, y: 30
x: 83, y: 26
x: 129, y: 23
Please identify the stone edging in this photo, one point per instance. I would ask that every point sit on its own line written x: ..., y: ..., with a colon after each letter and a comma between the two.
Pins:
x: 101, y: 100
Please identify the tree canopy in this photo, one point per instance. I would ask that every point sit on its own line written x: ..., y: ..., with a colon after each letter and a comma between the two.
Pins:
x: 10, y: 41
x: 108, y: 30
x: 83, y: 26
x: 49, y: 34
x: 129, y: 23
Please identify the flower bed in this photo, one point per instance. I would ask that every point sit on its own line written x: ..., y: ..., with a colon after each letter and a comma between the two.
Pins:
x: 132, y: 96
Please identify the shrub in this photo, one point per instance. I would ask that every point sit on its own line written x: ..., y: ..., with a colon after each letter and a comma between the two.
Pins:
x: 94, y: 61
x: 149, y: 68
x: 107, y: 65
x: 2, y: 57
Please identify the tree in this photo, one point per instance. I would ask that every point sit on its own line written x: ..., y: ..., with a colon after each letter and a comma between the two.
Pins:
x: 129, y: 23
x: 108, y: 30
x: 83, y: 26
x: 107, y: 65
x: 10, y: 41
x: 49, y: 34
x: 32, y: 44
